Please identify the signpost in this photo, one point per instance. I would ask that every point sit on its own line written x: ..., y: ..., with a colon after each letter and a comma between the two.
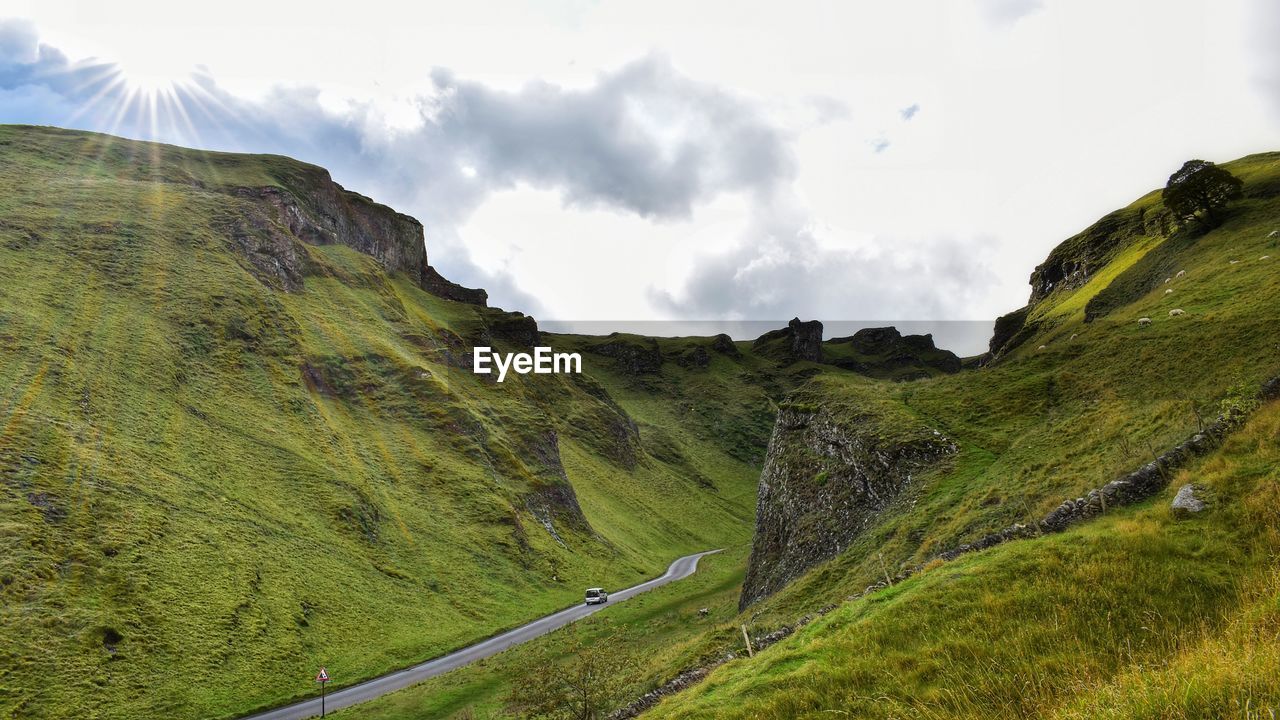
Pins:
x: 322, y: 677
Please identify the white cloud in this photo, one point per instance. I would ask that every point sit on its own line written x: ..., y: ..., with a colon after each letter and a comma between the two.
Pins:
x: 688, y: 164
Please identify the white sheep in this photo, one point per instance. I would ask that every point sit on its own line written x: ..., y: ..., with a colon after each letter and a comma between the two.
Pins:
x: 1074, y: 336
x: 1042, y: 347
x: 1181, y: 273
x: 1166, y: 292
x: 1176, y: 312
x: 1274, y: 233
x: 1168, y: 280
x: 1233, y: 262
x: 1144, y: 321
x: 1265, y: 257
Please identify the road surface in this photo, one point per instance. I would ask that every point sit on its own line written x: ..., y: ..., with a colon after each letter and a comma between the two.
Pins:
x: 379, y: 686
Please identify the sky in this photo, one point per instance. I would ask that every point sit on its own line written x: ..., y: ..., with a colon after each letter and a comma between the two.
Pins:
x: 657, y: 161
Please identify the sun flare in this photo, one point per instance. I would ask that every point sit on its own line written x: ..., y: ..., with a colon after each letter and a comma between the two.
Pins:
x: 152, y: 78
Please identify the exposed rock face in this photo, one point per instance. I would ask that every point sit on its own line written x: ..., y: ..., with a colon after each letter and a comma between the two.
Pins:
x: 797, y: 341
x: 436, y: 284
x: 554, y: 503
x: 320, y: 212
x: 824, y: 482
x: 514, y: 327
x: 885, y: 350
x: 1072, y: 263
x: 695, y: 357
x: 1010, y: 331
x: 267, y: 251
x: 632, y: 355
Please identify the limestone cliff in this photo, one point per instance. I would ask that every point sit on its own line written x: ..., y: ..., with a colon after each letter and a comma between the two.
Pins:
x: 828, y: 475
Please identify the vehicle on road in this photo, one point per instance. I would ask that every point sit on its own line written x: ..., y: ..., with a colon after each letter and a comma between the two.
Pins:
x: 596, y: 596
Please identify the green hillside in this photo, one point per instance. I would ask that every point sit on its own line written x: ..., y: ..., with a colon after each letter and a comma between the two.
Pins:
x: 241, y: 439
x: 1133, y: 614
x: 234, y: 450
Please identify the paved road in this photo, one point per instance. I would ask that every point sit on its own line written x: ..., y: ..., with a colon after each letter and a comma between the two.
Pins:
x: 680, y: 569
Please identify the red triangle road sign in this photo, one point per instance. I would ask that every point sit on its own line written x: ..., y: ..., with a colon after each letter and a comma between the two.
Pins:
x: 322, y: 676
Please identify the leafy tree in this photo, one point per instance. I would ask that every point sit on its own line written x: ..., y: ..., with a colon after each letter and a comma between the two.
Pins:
x: 589, y: 685
x: 1199, y: 190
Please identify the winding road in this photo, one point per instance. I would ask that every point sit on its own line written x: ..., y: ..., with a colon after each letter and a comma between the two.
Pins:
x: 400, y: 679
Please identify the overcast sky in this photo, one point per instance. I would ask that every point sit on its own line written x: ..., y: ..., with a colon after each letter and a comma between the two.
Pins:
x: 703, y: 160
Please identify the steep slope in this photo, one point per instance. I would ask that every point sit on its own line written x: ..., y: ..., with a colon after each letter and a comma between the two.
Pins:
x: 241, y: 439
x: 1079, y: 400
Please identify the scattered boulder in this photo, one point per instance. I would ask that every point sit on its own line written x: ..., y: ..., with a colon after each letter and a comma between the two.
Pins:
x: 1185, y: 503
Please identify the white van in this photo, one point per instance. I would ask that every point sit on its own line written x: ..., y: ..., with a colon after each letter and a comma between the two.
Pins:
x: 597, y: 595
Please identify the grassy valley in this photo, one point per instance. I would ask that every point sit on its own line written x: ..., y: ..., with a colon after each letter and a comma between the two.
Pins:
x: 213, y: 482
x: 241, y: 439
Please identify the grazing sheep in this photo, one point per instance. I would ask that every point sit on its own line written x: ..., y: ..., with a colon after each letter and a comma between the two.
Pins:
x: 1265, y: 257
x: 1144, y: 321
x: 1166, y: 292
x: 1176, y: 312
x: 1274, y: 233
x: 1181, y: 273
x: 1042, y: 347
x: 1074, y: 336
x: 1233, y: 262
x: 1168, y: 280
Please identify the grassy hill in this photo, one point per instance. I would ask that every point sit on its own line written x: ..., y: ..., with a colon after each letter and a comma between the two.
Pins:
x: 1134, y: 614
x: 241, y: 439
x: 238, y: 444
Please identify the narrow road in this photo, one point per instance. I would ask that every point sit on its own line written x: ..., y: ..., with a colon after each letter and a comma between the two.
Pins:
x: 379, y: 686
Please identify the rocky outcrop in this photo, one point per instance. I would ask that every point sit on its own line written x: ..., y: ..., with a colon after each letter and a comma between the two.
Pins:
x: 886, y: 352
x: 632, y: 355
x: 797, y: 341
x: 1073, y: 262
x: 318, y: 211
x: 695, y: 357
x: 552, y: 501
x: 724, y: 345
x: 513, y: 327
x: 825, y: 481
x: 436, y: 284
x: 1010, y: 331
